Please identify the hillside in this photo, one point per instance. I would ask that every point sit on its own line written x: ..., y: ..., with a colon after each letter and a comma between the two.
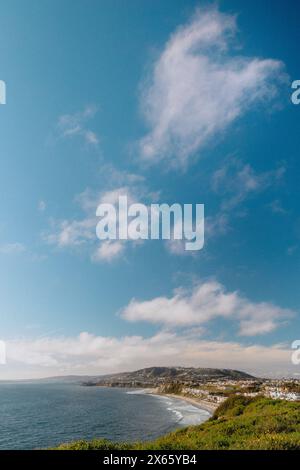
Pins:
x: 154, y: 376
x: 239, y: 423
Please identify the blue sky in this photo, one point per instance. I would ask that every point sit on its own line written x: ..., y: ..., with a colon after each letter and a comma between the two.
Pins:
x: 172, y: 101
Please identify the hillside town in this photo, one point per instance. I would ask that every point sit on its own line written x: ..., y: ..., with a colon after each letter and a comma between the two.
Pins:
x: 217, y: 391
x: 211, y: 386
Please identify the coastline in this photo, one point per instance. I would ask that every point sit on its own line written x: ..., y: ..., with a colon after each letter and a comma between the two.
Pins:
x: 203, y: 405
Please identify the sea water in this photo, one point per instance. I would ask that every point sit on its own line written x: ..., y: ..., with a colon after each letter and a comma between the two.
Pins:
x: 38, y: 415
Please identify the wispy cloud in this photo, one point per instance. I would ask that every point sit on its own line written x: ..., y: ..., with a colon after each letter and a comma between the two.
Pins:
x: 12, y: 248
x: 76, y: 125
x: 42, y: 206
x: 216, y: 225
x: 81, y: 233
x: 292, y: 250
x: 277, y: 208
x: 235, y: 181
x: 204, y: 303
x: 108, y: 250
x: 199, y: 86
x: 71, y: 233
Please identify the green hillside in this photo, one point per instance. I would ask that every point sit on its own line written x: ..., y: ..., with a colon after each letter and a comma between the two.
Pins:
x: 239, y: 423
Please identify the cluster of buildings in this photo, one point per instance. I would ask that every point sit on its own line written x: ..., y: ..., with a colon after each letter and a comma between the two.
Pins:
x: 204, y: 395
x: 283, y: 389
x: 217, y: 391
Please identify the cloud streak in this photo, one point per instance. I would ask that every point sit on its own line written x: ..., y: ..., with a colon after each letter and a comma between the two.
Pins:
x: 75, y: 125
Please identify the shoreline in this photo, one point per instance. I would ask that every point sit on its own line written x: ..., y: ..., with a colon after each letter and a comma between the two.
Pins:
x: 203, y: 405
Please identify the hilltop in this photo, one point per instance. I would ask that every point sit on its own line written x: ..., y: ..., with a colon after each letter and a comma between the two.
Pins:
x: 156, y: 376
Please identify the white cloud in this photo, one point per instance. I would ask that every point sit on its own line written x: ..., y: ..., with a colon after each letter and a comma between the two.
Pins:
x: 72, y: 125
x: 204, y: 303
x: 196, y: 89
x: 90, y: 354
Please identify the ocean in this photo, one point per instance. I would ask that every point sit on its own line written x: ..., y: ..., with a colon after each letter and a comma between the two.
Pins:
x: 40, y: 415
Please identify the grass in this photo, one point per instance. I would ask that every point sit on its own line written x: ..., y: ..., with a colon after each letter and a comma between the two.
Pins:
x: 239, y: 423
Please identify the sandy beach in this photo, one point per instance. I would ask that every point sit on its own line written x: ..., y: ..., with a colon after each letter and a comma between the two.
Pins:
x: 204, y: 405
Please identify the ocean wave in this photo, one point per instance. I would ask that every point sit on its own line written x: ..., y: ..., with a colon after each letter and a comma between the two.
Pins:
x: 176, y: 412
x: 141, y: 391
x: 185, y: 414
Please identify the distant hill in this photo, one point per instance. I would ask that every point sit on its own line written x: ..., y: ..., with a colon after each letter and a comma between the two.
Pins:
x: 155, y: 376
x: 148, y: 376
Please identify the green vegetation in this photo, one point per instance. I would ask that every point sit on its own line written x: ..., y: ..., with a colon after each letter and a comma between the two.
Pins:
x: 239, y: 423
x: 292, y: 387
x: 172, y: 387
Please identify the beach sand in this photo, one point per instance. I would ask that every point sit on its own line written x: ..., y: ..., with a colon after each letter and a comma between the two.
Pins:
x: 204, y: 405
